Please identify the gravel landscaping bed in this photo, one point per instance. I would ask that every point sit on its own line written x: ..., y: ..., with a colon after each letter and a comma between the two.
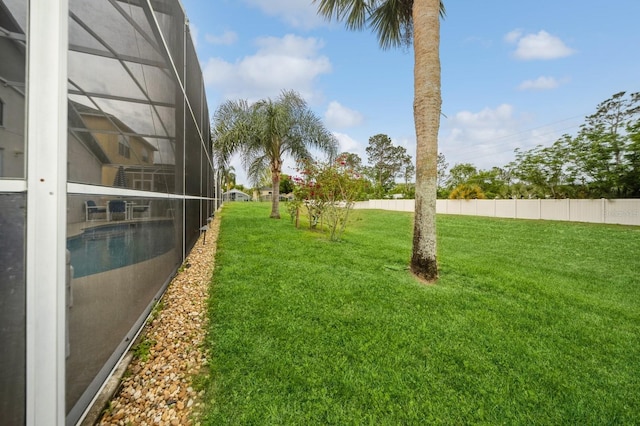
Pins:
x: 157, y: 386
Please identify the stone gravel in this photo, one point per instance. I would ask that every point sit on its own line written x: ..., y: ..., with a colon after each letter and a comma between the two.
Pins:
x: 159, y: 390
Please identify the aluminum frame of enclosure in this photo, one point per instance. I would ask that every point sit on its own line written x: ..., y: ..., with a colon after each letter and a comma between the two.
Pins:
x: 102, y: 102
x: 46, y: 211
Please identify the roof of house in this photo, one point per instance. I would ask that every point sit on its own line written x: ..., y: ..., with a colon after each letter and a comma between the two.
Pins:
x: 235, y: 191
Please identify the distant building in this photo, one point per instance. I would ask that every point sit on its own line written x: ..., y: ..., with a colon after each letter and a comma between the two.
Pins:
x: 235, y: 195
x: 265, y: 193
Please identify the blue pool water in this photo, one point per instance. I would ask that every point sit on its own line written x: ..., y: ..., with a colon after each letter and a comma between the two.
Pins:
x: 109, y: 247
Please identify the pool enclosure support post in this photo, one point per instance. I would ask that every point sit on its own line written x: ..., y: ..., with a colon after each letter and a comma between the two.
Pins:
x: 46, y: 211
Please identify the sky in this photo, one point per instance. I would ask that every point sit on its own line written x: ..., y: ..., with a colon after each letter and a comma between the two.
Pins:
x: 515, y: 74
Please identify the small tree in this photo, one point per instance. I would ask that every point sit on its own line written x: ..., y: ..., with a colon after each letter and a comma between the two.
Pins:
x: 286, y: 184
x: 328, y: 191
x: 461, y: 173
x: 388, y: 162
x: 545, y: 168
x: 442, y: 177
x: 306, y: 192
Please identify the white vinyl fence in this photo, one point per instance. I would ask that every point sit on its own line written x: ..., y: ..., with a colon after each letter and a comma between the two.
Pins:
x: 617, y: 211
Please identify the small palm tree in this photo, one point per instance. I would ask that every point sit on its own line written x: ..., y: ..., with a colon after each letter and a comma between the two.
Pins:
x: 265, y: 132
x: 467, y: 191
x: 230, y: 177
x: 400, y: 23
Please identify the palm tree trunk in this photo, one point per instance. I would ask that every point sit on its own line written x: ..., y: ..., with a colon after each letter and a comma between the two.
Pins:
x: 275, y: 193
x: 426, y: 109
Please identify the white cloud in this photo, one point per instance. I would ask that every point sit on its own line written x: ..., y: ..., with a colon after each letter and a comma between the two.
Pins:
x: 348, y: 144
x: 484, y: 118
x: 290, y: 44
x: 290, y: 62
x: 338, y: 116
x: 540, y: 83
x: 480, y: 138
x: 227, y: 38
x: 217, y: 72
x: 299, y: 14
x: 488, y: 138
x: 513, y: 36
x: 538, y: 46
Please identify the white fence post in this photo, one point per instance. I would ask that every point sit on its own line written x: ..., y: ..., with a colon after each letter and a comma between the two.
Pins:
x: 539, y: 208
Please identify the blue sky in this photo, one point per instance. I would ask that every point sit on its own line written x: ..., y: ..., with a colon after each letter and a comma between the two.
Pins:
x: 515, y: 74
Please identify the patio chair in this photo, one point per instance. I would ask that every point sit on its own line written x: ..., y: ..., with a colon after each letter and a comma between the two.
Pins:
x: 92, y: 208
x: 143, y: 208
x: 116, y: 206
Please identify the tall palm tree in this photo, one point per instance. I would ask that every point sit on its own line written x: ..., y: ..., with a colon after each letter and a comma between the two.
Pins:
x: 265, y: 132
x: 400, y: 23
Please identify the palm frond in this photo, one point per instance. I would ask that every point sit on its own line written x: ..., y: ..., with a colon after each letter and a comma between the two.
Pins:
x: 230, y: 127
x: 353, y: 12
x: 257, y: 169
x: 391, y: 20
x: 265, y: 132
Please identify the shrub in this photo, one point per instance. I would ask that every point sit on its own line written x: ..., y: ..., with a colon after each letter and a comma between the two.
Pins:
x: 328, y: 191
x: 467, y: 192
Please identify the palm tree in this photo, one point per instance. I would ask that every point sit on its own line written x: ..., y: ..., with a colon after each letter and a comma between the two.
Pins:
x: 229, y: 173
x: 400, y: 23
x: 265, y: 132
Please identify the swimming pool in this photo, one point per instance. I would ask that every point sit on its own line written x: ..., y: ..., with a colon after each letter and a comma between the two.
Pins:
x: 109, y: 247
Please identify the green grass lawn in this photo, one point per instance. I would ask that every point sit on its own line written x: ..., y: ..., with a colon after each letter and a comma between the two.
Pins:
x: 531, y: 322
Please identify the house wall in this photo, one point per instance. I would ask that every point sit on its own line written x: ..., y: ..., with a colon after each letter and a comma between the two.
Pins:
x: 109, y: 141
x: 12, y: 133
x: 87, y: 168
x: 13, y: 227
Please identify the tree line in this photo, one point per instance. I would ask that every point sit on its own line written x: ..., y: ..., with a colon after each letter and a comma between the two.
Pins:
x: 601, y: 161
x: 389, y: 170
